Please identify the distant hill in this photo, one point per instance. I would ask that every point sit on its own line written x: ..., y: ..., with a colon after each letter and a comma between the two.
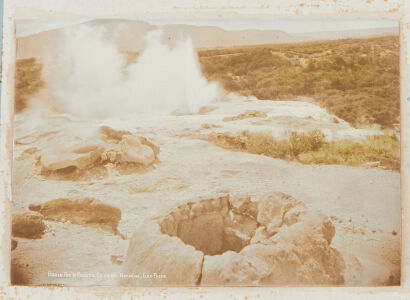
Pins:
x: 335, y: 35
x: 129, y: 35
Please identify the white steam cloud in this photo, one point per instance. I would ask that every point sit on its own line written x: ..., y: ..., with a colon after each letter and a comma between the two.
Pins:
x: 90, y: 78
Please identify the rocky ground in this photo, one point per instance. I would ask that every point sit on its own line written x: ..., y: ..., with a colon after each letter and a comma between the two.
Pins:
x: 82, y: 188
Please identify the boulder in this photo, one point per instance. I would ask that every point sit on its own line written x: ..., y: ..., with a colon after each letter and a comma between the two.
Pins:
x: 155, y: 259
x: 301, y: 254
x: 296, y: 255
x: 233, y: 269
x: 133, y: 151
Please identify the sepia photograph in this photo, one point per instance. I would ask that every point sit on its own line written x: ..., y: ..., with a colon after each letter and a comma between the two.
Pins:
x: 206, y: 152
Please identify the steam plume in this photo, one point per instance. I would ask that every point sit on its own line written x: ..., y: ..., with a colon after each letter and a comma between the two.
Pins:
x: 90, y: 78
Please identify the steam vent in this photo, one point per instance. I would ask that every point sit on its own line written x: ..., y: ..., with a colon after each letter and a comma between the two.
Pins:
x: 235, y: 240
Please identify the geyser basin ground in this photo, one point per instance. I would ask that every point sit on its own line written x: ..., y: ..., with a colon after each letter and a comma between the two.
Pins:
x: 235, y: 241
x: 363, y: 204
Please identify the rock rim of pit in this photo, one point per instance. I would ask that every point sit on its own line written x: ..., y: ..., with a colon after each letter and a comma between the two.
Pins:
x: 231, y: 240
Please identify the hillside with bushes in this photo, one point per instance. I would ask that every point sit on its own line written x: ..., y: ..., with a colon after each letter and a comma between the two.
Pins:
x: 358, y: 80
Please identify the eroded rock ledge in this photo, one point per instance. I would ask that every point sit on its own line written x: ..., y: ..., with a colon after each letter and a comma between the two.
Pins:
x: 75, y: 158
x: 87, y: 212
x: 28, y: 225
x: 232, y: 240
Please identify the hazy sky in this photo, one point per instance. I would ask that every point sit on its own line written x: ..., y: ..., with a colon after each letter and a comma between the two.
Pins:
x: 27, y: 27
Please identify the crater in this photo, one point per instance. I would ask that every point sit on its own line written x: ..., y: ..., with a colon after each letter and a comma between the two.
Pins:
x: 211, y: 226
x: 237, y: 241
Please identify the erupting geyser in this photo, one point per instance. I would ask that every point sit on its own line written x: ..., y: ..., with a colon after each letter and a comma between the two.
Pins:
x: 162, y: 80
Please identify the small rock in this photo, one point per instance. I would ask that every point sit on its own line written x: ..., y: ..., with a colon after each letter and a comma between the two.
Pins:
x: 116, y: 259
x: 133, y: 151
x: 261, y: 236
x: 372, y: 164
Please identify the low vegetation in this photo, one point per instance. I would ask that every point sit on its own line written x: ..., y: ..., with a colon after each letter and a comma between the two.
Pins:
x: 312, y: 148
x: 373, y: 151
x: 356, y: 79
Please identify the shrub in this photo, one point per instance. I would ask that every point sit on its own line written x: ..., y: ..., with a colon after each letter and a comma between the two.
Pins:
x: 311, y: 148
x: 336, y: 74
x: 262, y: 143
x: 382, y: 149
x: 305, y: 142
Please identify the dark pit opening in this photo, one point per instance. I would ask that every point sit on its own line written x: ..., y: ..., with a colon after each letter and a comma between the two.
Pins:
x: 210, y: 226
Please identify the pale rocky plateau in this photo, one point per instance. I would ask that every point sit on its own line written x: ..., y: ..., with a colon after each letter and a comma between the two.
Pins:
x: 151, y: 201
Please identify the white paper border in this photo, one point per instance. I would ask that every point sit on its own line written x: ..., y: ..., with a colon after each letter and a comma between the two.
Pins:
x: 58, y: 9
